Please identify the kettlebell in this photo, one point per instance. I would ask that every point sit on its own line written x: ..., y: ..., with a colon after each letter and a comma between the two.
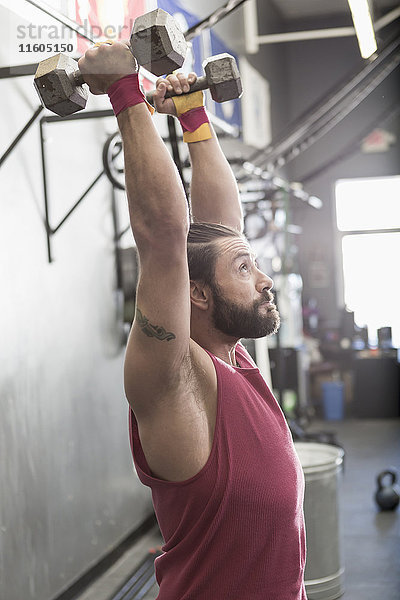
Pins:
x: 387, y: 496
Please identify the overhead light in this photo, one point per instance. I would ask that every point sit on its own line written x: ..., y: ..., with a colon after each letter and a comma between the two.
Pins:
x: 255, y: 225
x: 315, y: 202
x: 363, y: 26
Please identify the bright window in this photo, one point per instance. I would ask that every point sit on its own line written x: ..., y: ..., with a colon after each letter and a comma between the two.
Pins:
x: 371, y: 260
x: 363, y: 204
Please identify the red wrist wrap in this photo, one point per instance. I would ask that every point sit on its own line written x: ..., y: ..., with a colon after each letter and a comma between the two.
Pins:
x: 192, y: 119
x: 125, y: 92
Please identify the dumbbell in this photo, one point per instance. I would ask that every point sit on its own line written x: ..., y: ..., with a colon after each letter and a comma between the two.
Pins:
x: 157, y: 43
x: 221, y: 77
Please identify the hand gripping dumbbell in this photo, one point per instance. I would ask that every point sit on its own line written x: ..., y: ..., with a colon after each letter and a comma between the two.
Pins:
x: 221, y: 77
x: 157, y: 43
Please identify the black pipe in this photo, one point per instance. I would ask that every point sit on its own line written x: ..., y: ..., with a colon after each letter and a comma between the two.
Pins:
x: 87, y: 114
x: 117, y: 238
x: 212, y: 19
x: 121, y: 233
x: 18, y: 71
x: 77, y: 203
x: 143, y: 574
x: 173, y: 139
x: 46, y: 202
x: 21, y: 134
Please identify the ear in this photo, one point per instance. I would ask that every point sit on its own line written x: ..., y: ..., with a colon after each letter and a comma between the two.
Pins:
x: 199, y: 295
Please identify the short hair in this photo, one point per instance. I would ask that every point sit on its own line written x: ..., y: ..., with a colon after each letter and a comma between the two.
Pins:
x: 202, y: 249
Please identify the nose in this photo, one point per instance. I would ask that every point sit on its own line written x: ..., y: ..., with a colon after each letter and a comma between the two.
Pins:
x: 264, y: 283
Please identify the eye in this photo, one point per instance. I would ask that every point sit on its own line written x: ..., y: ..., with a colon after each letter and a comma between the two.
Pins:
x: 244, y: 267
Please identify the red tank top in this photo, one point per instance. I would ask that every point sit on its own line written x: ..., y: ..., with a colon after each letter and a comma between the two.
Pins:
x: 234, y: 531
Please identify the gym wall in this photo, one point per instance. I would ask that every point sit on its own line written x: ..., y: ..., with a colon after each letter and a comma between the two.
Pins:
x: 69, y: 492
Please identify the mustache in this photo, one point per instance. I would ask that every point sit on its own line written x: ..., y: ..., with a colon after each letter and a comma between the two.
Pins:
x: 267, y: 297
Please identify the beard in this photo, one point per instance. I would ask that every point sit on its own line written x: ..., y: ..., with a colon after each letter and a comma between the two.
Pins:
x: 239, y: 321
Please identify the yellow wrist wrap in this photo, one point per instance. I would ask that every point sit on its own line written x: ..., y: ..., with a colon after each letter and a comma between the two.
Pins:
x: 185, y: 103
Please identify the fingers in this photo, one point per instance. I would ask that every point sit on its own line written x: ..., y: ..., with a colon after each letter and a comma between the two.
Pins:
x: 161, y: 88
x: 179, y: 82
x: 105, y: 63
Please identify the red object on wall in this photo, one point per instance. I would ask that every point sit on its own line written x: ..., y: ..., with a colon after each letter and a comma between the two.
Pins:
x: 91, y: 15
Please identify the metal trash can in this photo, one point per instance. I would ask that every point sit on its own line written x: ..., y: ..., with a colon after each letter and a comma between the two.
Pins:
x: 324, y: 572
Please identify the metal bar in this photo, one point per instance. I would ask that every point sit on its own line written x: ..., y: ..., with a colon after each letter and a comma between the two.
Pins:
x: 135, y: 591
x: 90, y: 114
x: 117, y: 247
x: 212, y: 19
x: 77, y: 203
x: 331, y: 32
x: 173, y: 140
x: 250, y: 24
x: 312, y: 34
x: 144, y: 570
x: 64, y: 20
x: 123, y: 232
x: 387, y: 19
x: 371, y: 231
x: 130, y: 586
x: 45, y: 195
x: 21, y: 134
x: 146, y: 587
x: 227, y: 129
x: 18, y: 71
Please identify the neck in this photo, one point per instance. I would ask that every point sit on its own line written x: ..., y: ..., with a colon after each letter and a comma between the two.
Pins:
x: 203, y: 332
x: 220, y: 346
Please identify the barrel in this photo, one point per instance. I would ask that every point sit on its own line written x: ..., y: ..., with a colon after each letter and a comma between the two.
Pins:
x: 324, y: 572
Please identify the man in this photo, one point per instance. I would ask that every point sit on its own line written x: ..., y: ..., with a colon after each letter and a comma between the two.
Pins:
x: 207, y: 435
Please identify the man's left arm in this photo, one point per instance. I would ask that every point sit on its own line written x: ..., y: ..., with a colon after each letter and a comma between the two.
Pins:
x: 214, y: 192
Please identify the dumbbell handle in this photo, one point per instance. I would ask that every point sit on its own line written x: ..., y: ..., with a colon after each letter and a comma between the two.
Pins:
x: 200, y: 84
x: 77, y: 77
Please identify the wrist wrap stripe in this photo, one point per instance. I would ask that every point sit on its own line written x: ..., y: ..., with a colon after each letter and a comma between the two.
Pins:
x: 193, y: 117
x: 125, y: 93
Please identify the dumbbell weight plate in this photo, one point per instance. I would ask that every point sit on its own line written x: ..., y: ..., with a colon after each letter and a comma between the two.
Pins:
x: 223, y: 76
x: 158, y: 43
x: 56, y: 86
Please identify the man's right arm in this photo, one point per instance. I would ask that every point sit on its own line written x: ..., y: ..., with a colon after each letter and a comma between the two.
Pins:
x: 159, y: 339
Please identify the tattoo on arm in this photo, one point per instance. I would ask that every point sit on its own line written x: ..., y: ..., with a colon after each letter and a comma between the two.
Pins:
x: 153, y: 330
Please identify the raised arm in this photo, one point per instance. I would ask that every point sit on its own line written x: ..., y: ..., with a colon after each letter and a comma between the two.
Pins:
x: 214, y: 193
x: 159, y: 339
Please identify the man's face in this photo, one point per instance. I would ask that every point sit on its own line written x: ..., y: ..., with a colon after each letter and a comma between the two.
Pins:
x: 242, y: 302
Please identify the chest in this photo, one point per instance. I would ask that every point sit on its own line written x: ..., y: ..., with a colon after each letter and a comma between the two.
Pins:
x: 263, y: 463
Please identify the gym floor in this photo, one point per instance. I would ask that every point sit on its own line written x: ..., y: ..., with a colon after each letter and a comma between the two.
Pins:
x: 370, y: 539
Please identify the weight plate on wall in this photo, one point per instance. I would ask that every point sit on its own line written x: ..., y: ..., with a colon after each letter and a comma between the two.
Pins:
x: 113, y: 160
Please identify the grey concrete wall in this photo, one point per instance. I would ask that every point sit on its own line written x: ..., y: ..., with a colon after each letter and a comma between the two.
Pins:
x: 68, y: 491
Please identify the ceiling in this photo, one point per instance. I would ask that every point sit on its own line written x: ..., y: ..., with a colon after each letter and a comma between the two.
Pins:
x: 293, y: 10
